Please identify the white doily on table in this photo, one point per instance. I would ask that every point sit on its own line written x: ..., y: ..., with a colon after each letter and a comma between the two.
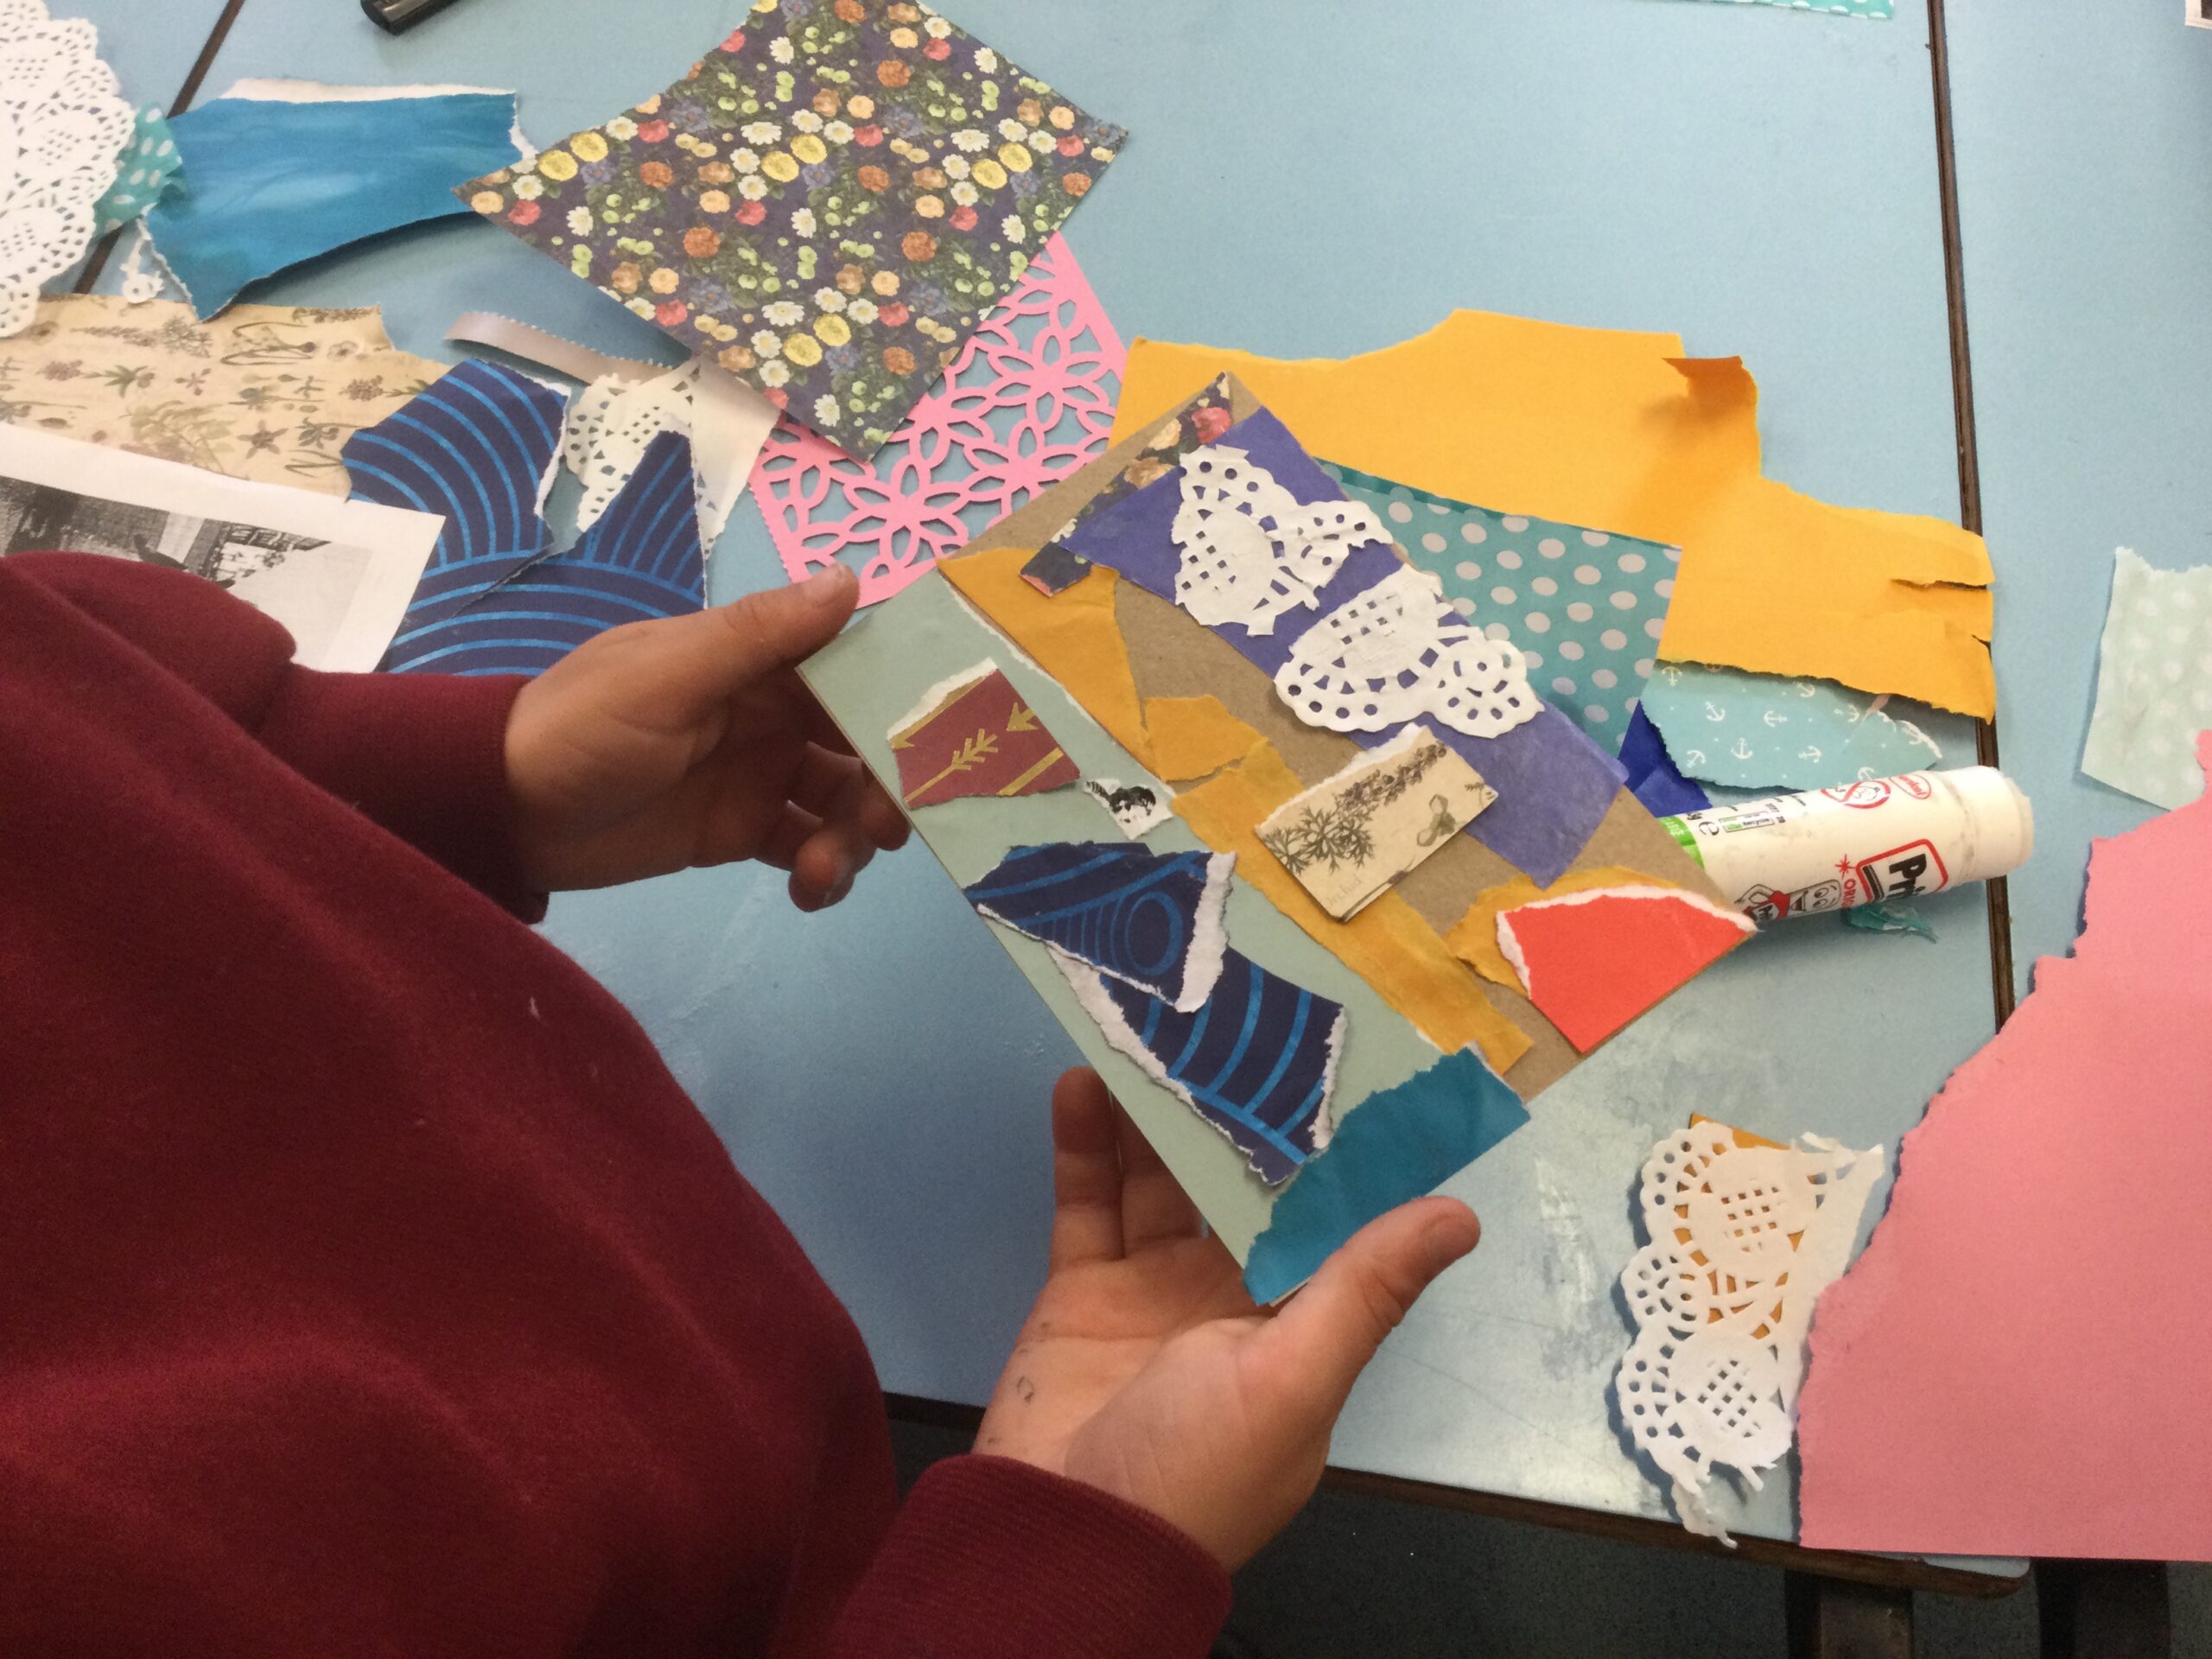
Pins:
x: 1250, y: 550
x: 612, y: 420
x: 1744, y: 1239
x: 1398, y: 651
x: 63, y: 128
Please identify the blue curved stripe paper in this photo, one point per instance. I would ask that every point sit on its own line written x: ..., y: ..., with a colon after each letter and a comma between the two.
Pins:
x: 472, y: 448
x: 1653, y: 778
x: 1150, y: 920
x: 1257, y: 1059
x: 270, y: 182
x: 1391, y: 1148
x: 521, y: 612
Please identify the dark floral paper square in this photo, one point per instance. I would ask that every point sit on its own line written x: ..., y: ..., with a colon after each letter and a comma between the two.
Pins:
x: 828, y: 203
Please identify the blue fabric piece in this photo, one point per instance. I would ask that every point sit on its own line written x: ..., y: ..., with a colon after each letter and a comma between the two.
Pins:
x: 1652, y: 776
x: 1394, y: 1147
x: 472, y: 448
x: 1126, y: 910
x: 269, y: 184
x: 1256, y: 1058
x: 144, y: 172
x: 1553, y: 784
x: 527, y: 612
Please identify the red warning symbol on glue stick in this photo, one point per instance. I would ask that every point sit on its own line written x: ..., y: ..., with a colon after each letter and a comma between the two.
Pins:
x: 1915, y: 867
x: 1868, y: 792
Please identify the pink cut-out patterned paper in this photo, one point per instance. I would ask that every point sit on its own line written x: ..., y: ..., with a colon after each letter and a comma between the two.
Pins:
x: 1029, y: 401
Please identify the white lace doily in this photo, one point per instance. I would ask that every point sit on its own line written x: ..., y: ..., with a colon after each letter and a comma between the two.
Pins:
x: 1398, y: 651
x: 63, y: 127
x: 1744, y: 1239
x: 1250, y: 550
x: 612, y: 420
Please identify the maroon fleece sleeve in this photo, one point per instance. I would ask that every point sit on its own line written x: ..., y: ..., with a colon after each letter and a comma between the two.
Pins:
x: 990, y: 1557
x: 420, y: 755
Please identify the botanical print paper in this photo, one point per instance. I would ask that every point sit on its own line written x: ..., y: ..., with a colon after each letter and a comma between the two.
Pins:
x: 829, y: 201
x: 267, y: 392
x: 1347, y: 839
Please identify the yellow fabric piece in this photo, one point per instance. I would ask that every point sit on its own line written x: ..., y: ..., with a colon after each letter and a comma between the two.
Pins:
x: 1620, y: 432
x: 1387, y: 945
x: 1192, y: 737
x: 1073, y: 635
x: 1473, y: 937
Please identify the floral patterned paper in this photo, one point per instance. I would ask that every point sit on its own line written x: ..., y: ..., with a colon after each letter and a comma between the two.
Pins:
x: 269, y: 392
x: 829, y: 202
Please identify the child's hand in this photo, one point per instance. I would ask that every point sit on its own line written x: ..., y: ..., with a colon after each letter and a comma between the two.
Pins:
x: 1145, y: 1370
x: 690, y: 740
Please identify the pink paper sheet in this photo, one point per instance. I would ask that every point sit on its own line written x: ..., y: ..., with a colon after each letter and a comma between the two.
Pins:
x: 2020, y: 1364
x: 1029, y: 401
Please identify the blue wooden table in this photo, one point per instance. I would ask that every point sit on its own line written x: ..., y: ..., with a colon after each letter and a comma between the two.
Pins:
x: 1764, y: 181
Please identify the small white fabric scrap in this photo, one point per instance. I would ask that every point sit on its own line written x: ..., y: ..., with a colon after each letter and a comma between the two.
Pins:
x: 64, y: 126
x: 2154, y: 681
x: 1742, y: 1242
x: 1250, y: 550
x: 1397, y: 653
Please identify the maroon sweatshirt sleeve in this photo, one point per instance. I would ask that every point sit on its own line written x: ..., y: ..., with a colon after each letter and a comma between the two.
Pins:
x: 989, y: 1556
x: 420, y: 755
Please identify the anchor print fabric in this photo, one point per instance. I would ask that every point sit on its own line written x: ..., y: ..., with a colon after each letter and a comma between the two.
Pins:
x: 1760, y: 731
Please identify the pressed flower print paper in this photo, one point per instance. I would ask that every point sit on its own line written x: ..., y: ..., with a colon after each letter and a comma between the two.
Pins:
x: 829, y: 202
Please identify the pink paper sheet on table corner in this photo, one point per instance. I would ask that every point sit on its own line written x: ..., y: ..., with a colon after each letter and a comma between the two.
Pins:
x: 2021, y: 1362
x: 1048, y: 352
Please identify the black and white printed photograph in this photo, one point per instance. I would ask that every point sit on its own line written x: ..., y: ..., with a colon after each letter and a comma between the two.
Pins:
x: 304, y: 581
x: 337, y: 574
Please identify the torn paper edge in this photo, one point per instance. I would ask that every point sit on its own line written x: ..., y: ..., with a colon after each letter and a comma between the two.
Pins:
x: 256, y: 89
x: 937, y: 695
x: 1138, y: 825
x: 1202, y: 958
x: 1509, y: 944
x: 1088, y: 984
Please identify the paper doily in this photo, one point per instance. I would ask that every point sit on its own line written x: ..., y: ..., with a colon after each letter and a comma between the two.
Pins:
x: 1028, y: 401
x: 1397, y: 651
x: 1250, y: 550
x: 63, y: 127
x: 1744, y: 1239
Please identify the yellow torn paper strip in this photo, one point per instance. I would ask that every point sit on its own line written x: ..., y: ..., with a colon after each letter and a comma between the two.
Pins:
x: 1387, y: 945
x: 1618, y: 431
x: 1072, y: 635
x: 1194, y: 737
x: 1473, y: 937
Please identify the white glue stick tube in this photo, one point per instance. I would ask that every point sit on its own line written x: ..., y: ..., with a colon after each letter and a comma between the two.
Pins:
x: 1859, y: 843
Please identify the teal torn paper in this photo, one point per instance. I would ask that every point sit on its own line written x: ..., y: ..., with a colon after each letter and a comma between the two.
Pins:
x: 272, y: 179
x: 1884, y: 10
x: 1586, y: 609
x: 1393, y: 1148
x: 1762, y: 731
x: 1889, y: 916
x: 2154, y: 681
x: 146, y: 172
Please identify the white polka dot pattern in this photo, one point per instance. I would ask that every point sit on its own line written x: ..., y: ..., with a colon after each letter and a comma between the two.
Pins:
x: 2154, y: 681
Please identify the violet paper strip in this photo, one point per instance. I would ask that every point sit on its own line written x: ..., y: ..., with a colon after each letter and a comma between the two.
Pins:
x: 1553, y: 785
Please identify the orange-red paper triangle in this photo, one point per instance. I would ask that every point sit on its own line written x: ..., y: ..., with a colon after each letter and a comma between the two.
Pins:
x: 1593, y: 962
x: 982, y: 740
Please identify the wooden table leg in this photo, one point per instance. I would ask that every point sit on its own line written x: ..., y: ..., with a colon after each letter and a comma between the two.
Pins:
x: 1832, y: 1618
x: 2103, y: 1609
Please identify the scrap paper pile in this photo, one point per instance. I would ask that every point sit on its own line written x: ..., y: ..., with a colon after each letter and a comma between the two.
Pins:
x: 1378, y: 634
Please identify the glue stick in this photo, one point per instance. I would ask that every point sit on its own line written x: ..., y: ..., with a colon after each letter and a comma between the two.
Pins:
x: 1859, y: 843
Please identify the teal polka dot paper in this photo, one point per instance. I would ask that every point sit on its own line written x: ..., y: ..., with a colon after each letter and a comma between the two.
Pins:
x: 2154, y: 681
x: 144, y: 174
x: 1586, y: 609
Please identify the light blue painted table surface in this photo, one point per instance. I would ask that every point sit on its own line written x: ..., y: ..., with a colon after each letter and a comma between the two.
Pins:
x: 2085, y: 221
x: 1325, y: 179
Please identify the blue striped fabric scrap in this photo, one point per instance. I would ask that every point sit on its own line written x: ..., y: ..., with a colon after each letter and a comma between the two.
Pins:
x: 477, y: 447
x: 1257, y: 1059
x: 1150, y: 921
